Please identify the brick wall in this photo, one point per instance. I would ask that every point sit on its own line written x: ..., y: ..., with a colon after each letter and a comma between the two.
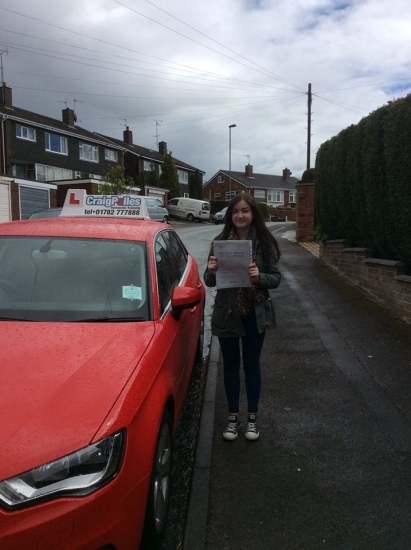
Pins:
x: 15, y: 201
x: 289, y: 213
x: 385, y: 280
x: 305, y: 212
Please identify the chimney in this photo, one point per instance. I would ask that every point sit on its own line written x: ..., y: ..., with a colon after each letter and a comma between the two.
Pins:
x: 6, y: 96
x: 162, y: 148
x: 128, y: 136
x: 69, y: 116
x: 286, y: 174
x: 249, y: 171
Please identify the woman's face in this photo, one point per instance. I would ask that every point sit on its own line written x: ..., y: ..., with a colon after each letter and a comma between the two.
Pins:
x: 242, y: 215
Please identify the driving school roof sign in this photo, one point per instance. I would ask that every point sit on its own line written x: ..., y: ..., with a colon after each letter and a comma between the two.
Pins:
x: 78, y: 203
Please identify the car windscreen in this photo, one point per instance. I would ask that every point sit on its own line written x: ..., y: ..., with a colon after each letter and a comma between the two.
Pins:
x: 73, y: 279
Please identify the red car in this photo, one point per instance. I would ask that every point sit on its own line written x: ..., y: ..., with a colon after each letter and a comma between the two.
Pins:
x: 101, y: 320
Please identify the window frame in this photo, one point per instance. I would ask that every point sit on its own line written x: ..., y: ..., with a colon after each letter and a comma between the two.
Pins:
x: 93, y: 148
x: 148, y: 166
x: 47, y: 168
x: 110, y: 153
x: 182, y: 176
x: 63, y: 145
x: 273, y: 196
x: 29, y: 129
x: 260, y: 194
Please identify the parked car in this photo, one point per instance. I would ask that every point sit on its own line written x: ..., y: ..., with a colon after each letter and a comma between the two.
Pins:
x: 156, y: 209
x: 189, y: 209
x: 49, y: 213
x: 101, y: 320
x: 219, y: 217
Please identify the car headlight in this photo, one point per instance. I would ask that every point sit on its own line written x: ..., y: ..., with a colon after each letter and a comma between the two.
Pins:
x: 77, y: 474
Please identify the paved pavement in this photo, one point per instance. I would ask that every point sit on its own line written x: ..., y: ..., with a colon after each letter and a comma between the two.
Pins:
x: 332, y: 468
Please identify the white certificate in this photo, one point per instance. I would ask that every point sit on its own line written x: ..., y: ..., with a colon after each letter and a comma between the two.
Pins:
x: 234, y: 259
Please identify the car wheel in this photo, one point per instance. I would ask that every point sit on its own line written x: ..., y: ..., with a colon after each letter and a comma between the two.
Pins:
x: 165, y: 219
x: 190, y: 218
x: 160, y: 485
x: 200, y: 342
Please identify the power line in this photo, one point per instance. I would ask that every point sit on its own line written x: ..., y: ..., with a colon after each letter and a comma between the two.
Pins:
x: 267, y: 73
x: 104, y: 41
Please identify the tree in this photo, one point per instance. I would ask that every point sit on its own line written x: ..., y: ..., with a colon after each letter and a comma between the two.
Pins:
x: 115, y: 182
x: 151, y: 179
x: 169, y: 176
x: 195, y: 185
x: 308, y: 175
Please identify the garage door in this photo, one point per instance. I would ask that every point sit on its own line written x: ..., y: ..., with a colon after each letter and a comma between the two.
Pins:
x: 4, y: 203
x: 32, y: 200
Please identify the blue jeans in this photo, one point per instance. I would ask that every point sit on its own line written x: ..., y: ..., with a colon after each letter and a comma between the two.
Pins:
x: 252, y: 344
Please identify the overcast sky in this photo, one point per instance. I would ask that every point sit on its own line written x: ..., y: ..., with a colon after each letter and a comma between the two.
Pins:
x: 185, y: 70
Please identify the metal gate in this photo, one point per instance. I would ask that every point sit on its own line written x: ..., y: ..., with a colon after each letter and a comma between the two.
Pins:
x: 32, y: 200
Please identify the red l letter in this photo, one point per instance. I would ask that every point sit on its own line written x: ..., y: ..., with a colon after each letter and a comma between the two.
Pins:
x: 73, y: 199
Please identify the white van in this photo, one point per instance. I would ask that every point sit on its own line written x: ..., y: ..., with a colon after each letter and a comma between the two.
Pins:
x: 189, y: 209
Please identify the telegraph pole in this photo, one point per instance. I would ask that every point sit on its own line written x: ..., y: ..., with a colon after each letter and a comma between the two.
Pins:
x: 309, y: 100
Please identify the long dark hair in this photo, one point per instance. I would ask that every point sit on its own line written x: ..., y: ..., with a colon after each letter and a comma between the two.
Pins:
x: 265, y: 237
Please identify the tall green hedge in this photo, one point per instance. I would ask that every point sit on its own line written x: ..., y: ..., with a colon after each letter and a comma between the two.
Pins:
x: 363, y: 183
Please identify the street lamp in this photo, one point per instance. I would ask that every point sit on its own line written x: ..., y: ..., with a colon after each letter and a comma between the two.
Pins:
x: 229, y: 158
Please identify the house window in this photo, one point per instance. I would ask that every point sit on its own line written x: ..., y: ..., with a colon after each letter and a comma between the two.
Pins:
x: 229, y: 195
x: 182, y: 176
x: 111, y: 155
x: 148, y: 166
x: 52, y: 173
x: 220, y: 179
x: 216, y: 195
x: 276, y: 196
x: 55, y: 143
x: 88, y: 152
x: 293, y: 196
x: 24, y: 171
x: 23, y: 132
x: 259, y: 193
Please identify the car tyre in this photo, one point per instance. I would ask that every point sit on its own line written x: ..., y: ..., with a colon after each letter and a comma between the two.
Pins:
x: 160, y: 486
x: 190, y: 218
x: 165, y: 219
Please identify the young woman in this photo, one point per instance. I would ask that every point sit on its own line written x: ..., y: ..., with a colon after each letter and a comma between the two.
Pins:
x: 244, y: 313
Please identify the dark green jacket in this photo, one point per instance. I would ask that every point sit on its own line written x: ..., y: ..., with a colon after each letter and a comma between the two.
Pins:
x: 226, y: 319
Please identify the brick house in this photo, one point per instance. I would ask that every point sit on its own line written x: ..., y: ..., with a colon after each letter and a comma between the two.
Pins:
x: 41, y: 157
x: 140, y: 163
x: 274, y: 190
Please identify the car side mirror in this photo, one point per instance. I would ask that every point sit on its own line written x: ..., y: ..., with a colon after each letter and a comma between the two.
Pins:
x: 183, y: 297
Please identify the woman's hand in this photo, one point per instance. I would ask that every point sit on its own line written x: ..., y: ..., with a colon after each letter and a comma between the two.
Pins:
x: 212, y: 265
x: 254, y: 274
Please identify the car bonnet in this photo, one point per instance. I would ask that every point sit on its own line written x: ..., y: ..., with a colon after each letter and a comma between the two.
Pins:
x: 59, y: 382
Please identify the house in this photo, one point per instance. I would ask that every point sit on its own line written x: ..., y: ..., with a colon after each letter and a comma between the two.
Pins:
x: 274, y: 190
x: 145, y: 165
x: 41, y: 157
